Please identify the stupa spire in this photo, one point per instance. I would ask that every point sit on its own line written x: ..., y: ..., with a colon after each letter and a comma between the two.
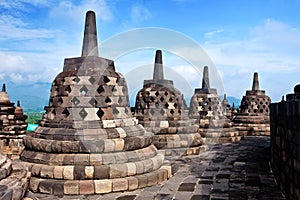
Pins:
x: 255, y: 85
x: 158, y: 73
x: 18, y: 103
x: 90, y: 44
x: 3, y: 88
x: 205, y: 79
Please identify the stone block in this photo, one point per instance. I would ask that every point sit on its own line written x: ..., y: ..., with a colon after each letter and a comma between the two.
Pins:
x: 119, y: 144
x: 109, y: 145
x: 101, y: 172
x: 47, y: 171
x: 36, y: 169
x: 46, y: 186
x: 58, y: 188
x: 143, y: 181
x: 96, y: 159
x: 89, y: 172
x: 86, y: 187
x: 119, y: 184
x: 68, y: 172
x: 71, y: 187
x: 133, y: 183
x: 139, y: 167
x: 103, y: 186
x: 131, y: 169
x: 34, y: 184
x: 58, y: 172
x: 118, y: 171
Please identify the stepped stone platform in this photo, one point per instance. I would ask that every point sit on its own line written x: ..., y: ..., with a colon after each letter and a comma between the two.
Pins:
x: 238, y: 170
x: 206, y: 108
x: 14, y: 179
x: 161, y: 109
x: 12, y: 126
x: 88, y: 142
x: 253, y: 117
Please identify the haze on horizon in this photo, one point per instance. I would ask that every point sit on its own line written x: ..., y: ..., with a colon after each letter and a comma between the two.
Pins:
x: 240, y: 37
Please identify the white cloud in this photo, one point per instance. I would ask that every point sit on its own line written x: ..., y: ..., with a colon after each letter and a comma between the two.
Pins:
x: 211, y: 34
x: 139, y: 13
x: 271, y: 48
x: 67, y: 10
x: 16, y: 77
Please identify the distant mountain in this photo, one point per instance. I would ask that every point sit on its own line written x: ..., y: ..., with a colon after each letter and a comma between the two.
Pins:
x: 33, y: 96
x: 234, y: 100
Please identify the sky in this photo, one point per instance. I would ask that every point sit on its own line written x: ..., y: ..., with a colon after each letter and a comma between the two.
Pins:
x: 238, y: 36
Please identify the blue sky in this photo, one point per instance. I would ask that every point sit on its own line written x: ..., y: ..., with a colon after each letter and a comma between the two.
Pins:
x: 240, y: 37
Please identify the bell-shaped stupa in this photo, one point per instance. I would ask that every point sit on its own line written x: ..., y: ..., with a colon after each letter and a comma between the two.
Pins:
x: 253, y: 117
x: 88, y: 141
x: 161, y: 108
x: 12, y: 126
x: 206, y: 107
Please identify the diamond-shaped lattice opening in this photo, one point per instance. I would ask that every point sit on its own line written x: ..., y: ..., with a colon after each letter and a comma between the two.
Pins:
x: 162, y: 99
x: 156, y: 93
x: 83, y: 113
x: 75, y: 101
x: 152, y: 111
x: 77, y: 79
x: 156, y: 105
x: 152, y: 99
x: 59, y: 101
x: 162, y: 112
x: 171, y: 99
x: 172, y: 111
x: 107, y: 100
x: 126, y: 110
x: 179, y: 111
x: 175, y: 105
x: 92, y: 80
x: 93, y: 102
x: 120, y: 100
x: 66, y: 112
x: 115, y: 111
x: 106, y: 79
x: 68, y: 89
x: 166, y: 105
x: 166, y: 93
x: 54, y: 112
x: 100, y: 89
x: 83, y: 91
x: 100, y: 113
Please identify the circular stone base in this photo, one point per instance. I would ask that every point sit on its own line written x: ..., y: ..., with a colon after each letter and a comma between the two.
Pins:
x: 77, y: 187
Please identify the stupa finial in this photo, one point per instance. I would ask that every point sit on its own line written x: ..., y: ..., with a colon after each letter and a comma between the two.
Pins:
x: 158, y: 73
x: 255, y: 85
x: 205, y: 79
x: 90, y: 44
x: 3, y: 88
x: 18, y: 103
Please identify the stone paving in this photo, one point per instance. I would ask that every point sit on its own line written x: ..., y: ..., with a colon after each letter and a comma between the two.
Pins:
x: 227, y: 171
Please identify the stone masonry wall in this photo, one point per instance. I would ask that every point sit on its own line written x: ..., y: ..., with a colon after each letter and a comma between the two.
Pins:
x: 285, y: 146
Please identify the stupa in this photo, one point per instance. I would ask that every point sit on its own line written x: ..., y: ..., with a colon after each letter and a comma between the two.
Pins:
x: 88, y: 142
x: 206, y: 107
x: 12, y: 126
x: 160, y: 107
x: 253, y: 117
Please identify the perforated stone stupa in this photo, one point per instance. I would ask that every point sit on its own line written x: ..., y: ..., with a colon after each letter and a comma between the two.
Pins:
x: 88, y: 142
x: 253, y: 117
x: 206, y: 107
x: 160, y: 107
x: 12, y: 126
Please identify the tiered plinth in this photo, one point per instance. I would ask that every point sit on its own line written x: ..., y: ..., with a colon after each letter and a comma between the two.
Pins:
x: 160, y: 109
x: 252, y: 125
